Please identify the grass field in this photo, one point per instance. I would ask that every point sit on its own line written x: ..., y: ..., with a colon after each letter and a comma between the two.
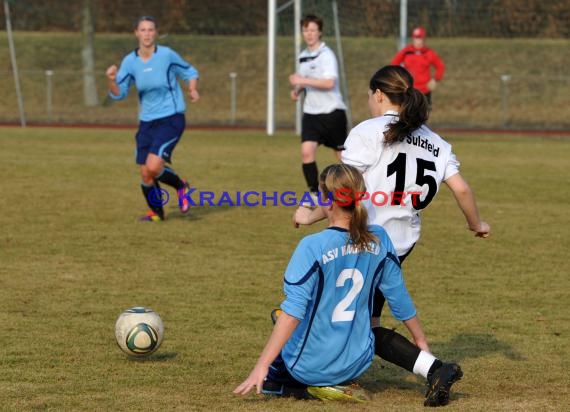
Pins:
x: 73, y: 256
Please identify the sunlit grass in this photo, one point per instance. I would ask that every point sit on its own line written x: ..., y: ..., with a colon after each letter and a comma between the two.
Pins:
x: 73, y: 256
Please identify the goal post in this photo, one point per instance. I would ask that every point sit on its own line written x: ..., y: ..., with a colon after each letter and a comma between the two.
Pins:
x: 273, y: 13
x: 271, y: 42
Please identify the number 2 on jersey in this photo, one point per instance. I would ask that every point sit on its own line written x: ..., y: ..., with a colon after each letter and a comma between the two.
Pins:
x: 398, y: 166
x: 340, y: 313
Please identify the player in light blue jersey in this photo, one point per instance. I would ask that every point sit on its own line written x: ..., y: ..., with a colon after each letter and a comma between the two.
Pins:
x: 323, y: 338
x: 154, y: 70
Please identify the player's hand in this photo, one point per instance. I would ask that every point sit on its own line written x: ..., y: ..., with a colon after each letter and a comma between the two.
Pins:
x: 302, y: 216
x: 484, y: 230
x: 111, y: 72
x: 294, y: 95
x: 432, y: 84
x: 194, y: 95
x: 255, y: 378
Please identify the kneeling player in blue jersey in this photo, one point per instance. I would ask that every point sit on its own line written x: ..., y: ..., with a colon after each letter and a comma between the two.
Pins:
x: 323, y: 337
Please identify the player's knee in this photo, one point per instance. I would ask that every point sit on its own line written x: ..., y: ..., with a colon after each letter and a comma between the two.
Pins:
x: 307, y: 155
x: 147, y: 176
x: 153, y: 171
x: 147, y: 180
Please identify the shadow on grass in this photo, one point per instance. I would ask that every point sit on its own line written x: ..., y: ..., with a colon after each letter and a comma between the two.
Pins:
x: 157, y: 357
x: 384, y: 376
x: 474, y: 345
x: 197, y: 212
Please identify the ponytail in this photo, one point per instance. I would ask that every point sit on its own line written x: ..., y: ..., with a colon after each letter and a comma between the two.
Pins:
x: 361, y: 237
x: 398, y: 84
x: 345, y: 179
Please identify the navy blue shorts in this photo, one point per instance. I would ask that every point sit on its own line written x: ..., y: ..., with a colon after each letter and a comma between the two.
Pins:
x: 159, y: 137
x: 278, y: 373
x: 329, y: 129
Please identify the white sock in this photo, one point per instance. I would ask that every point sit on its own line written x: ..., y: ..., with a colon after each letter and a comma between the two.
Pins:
x: 423, y: 363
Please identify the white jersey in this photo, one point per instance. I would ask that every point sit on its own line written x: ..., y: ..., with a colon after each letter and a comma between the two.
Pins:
x: 320, y: 64
x: 394, y: 172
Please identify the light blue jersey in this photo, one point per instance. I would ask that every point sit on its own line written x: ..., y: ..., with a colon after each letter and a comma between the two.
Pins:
x: 329, y: 288
x: 160, y: 95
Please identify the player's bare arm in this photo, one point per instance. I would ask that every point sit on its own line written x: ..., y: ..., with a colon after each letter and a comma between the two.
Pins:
x: 299, y: 81
x: 418, y: 335
x: 466, y: 202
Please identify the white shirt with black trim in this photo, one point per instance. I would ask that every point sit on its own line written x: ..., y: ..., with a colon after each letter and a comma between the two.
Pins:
x: 320, y: 64
x: 417, y: 164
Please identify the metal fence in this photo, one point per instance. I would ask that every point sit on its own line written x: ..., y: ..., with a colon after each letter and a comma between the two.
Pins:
x: 517, y: 79
x: 516, y: 102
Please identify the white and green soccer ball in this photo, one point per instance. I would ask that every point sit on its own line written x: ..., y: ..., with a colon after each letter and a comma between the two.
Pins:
x: 139, y: 331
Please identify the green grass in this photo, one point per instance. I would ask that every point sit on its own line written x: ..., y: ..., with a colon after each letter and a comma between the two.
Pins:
x: 471, y: 94
x: 73, y: 256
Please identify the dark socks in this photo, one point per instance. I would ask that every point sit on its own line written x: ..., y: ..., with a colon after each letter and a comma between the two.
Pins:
x: 311, y: 176
x: 153, y: 198
x: 395, y: 348
x: 169, y: 177
x: 436, y: 365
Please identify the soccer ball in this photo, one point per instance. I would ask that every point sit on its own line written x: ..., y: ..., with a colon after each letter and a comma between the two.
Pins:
x: 139, y: 331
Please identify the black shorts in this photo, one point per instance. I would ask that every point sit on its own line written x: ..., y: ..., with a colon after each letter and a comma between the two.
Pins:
x: 328, y: 129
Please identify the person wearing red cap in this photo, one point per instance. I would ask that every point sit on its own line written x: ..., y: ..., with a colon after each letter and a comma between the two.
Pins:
x: 418, y: 59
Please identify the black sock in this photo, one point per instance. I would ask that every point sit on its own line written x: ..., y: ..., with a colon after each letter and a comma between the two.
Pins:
x: 311, y: 176
x: 395, y: 348
x: 436, y: 365
x: 153, y: 198
x: 169, y: 177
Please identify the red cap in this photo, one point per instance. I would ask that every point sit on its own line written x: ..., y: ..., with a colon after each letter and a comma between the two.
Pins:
x: 419, y: 32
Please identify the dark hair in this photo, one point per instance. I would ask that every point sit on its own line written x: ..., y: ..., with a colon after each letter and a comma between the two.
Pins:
x: 398, y: 84
x: 348, y: 180
x: 311, y: 18
x: 145, y: 18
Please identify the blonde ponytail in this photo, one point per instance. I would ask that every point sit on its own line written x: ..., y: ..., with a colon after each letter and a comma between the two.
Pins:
x: 345, y: 179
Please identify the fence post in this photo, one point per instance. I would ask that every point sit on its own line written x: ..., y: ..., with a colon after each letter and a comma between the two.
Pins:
x: 49, y: 94
x: 505, y: 79
x: 233, y: 103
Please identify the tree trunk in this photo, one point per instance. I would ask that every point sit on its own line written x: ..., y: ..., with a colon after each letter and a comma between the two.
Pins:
x: 87, y: 55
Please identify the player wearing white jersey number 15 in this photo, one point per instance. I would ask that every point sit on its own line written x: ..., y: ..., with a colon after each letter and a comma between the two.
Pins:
x: 403, y: 163
x: 400, y: 156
